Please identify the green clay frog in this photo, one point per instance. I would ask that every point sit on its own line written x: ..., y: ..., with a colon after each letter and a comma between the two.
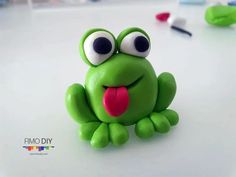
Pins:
x: 121, y: 89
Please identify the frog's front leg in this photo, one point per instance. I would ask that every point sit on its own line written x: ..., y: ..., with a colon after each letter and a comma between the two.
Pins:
x: 99, y: 134
x: 161, y: 119
x: 77, y: 105
x: 166, y: 91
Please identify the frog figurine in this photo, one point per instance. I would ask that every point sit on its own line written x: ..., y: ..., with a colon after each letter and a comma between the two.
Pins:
x: 121, y: 89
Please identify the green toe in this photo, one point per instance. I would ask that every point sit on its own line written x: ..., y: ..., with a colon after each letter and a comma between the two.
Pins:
x: 171, y: 115
x: 100, y: 137
x: 144, y: 128
x: 160, y: 122
x: 87, y: 129
x: 118, y: 133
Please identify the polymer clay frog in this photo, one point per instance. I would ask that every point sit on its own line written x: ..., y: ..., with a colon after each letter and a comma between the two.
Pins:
x: 121, y: 89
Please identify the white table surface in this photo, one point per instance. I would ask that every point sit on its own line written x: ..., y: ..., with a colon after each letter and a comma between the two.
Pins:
x: 39, y: 60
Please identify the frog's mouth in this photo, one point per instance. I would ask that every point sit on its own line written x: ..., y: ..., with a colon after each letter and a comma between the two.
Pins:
x: 116, y: 98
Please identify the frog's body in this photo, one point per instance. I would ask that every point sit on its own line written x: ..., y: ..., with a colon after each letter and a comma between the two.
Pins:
x: 120, y: 90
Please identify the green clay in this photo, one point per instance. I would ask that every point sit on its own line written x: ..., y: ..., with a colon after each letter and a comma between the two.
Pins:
x: 167, y: 90
x: 87, y: 129
x: 148, y: 96
x: 118, y: 134
x: 221, y: 15
x: 171, y: 115
x: 144, y: 128
x: 161, y: 123
x: 100, y: 137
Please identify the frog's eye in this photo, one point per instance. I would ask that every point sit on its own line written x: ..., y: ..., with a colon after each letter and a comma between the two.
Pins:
x: 98, y: 46
x: 134, y: 41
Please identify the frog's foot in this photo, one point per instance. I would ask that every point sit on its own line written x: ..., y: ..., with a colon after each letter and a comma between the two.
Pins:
x: 87, y: 130
x: 118, y: 134
x: 159, y: 122
x: 100, y: 134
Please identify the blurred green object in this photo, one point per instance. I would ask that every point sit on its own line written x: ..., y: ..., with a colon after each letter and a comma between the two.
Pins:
x: 221, y: 15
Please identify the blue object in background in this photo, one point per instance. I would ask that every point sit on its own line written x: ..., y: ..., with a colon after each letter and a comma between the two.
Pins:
x: 192, y: 1
x: 3, y: 2
x: 232, y: 3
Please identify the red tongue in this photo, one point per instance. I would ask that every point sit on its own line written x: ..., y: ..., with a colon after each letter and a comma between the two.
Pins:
x: 116, y: 100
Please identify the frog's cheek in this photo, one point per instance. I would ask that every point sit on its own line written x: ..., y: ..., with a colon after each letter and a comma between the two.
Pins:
x: 116, y: 100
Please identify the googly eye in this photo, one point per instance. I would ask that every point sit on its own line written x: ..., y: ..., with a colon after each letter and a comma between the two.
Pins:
x: 135, y: 43
x: 98, y: 47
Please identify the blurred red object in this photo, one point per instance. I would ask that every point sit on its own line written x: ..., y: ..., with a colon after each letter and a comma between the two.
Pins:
x: 162, y: 16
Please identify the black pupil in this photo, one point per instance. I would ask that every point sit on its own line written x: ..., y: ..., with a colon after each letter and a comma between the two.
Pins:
x: 141, y: 44
x: 102, y: 45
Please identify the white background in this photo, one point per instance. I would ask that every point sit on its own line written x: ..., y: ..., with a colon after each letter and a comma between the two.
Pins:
x: 39, y: 59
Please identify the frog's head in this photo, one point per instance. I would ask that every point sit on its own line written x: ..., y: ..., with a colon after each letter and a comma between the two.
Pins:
x: 121, y: 84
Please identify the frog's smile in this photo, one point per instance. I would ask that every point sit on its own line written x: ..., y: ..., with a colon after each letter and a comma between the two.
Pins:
x: 128, y: 86
x: 116, y: 98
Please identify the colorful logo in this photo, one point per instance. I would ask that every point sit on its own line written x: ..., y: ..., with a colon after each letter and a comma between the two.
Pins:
x: 38, y: 148
x: 38, y: 145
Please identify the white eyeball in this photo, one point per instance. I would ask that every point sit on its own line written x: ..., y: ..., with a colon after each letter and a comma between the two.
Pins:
x: 99, y: 46
x: 135, y: 43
